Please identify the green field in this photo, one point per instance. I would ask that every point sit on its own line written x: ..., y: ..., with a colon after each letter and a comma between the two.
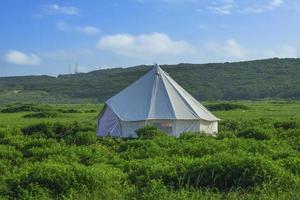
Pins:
x: 50, y: 151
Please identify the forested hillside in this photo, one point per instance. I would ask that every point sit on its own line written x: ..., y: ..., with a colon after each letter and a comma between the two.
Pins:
x: 271, y: 78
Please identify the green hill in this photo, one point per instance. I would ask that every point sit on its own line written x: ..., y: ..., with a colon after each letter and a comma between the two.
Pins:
x: 259, y: 79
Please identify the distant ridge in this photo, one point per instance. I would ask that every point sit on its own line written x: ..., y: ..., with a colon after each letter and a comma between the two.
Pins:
x: 248, y: 80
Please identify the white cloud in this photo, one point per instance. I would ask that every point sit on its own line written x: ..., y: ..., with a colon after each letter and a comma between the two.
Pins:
x: 272, y: 4
x: 57, y: 9
x: 227, y: 7
x: 276, y: 3
x: 222, y: 8
x: 145, y: 45
x: 20, y: 58
x: 89, y: 30
x: 230, y: 49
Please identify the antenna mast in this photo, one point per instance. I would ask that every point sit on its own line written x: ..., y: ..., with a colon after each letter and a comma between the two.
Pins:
x: 76, y: 68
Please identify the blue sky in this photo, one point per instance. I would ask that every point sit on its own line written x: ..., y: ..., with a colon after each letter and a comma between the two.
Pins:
x: 50, y: 37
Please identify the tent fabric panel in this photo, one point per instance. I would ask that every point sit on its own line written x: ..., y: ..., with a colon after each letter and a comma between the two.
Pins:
x: 109, y: 124
x: 208, y: 127
x: 128, y: 128
x: 160, y: 106
x: 186, y: 126
x: 166, y: 126
x: 191, y: 103
x: 181, y: 108
x: 133, y: 103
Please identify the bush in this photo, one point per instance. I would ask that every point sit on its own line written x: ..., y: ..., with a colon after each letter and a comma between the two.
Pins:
x: 222, y: 171
x: 155, y: 189
x: 139, y: 149
x: 226, y: 134
x: 286, y: 125
x: 230, y: 125
x: 83, y: 138
x: 62, y: 180
x: 255, y: 133
x: 292, y: 164
x: 69, y: 111
x: 42, y: 115
x: 24, y: 108
x: 39, y: 129
x: 187, y: 136
x: 10, y: 153
x: 192, y: 135
x: 90, y: 111
x: 149, y: 132
x: 57, y: 130
x: 225, y: 171
x: 226, y: 106
x: 4, y: 132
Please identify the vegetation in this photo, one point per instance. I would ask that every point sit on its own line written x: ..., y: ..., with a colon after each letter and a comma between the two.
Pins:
x: 256, y: 155
x: 42, y: 115
x: 259, y: 79
x: 225, y: 106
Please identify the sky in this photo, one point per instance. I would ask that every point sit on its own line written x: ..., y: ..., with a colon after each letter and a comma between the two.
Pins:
x: 53, y: 37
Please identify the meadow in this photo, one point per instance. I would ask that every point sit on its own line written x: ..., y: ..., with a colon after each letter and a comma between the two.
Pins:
x: 50, y: 151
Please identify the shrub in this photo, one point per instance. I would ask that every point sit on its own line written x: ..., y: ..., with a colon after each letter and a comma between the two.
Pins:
x: 39, y: 129
x: 4, y: 132
x: 42, y: 115
x: 57, y: 130
x: 286, y: 125
x: 139, y: 149
x: 76, y: 127
x: 148, y: 132
x: 226, y: 106
x: 197, y: 147
x: 92, y: 154
x: 39, y: 153
x: 69, y: 110
x: 24, y: 108
x: 187, y: 136
x: 90, y: 111
x: 222, y: 171
x: 63, y: 129
x: 110, y: 142
x: 83, y: 138
x: 230, y: 125
x: 10, y: 153
x: 192, y: 135
x: 255, y: 133
x: 292, y: 164
x: 156, y: 189
x: 225, y: 171
x: 226, y: 134
x: 61, y: 180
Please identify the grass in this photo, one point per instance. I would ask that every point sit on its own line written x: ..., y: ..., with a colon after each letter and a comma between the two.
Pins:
x: 255, y: 156
x: 274, y: 110
x: 17, y: 119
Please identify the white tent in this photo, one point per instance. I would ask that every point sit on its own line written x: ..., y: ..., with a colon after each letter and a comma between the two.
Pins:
x: 154, y: 99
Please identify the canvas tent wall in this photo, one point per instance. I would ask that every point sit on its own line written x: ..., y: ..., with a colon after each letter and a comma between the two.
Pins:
x: 155, y: 99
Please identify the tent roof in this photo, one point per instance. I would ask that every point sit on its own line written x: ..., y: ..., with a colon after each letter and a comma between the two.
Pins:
x: 157, y: 96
